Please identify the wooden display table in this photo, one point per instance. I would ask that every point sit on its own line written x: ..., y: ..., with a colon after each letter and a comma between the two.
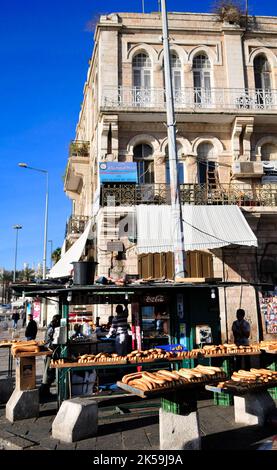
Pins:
x: 65, y: 370
x: 178, y: 415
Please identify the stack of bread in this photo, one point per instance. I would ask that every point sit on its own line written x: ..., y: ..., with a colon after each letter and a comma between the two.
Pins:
x: 269, y: 345
x: 188, y: 354
x: 101, y: 358
x: 147, y: 381
x: 56, y: 362
x: 217, y: 350
x: 149, y: 355
x: 25, y: 346
x: 252, y: 377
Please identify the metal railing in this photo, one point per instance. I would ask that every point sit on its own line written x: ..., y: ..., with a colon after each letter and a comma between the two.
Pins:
x: 76, y: 224
x: 191, y: 98
x: 79, y: 148
x: 195, y: 194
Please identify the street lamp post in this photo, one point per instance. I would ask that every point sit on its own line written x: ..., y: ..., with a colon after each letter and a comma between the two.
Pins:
x: 51, y: 250
x: 24, y: 165
x: 43, y: 315
x: 16, y: 227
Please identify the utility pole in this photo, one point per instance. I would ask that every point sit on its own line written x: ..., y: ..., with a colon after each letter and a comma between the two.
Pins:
x: 177, y: 219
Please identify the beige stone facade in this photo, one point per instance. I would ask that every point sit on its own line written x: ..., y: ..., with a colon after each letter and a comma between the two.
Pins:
x: 225, y: 89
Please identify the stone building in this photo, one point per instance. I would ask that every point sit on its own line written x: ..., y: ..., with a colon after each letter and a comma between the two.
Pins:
x: 224, y: 84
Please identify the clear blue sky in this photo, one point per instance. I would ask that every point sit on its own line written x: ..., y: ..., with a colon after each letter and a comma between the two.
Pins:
x: 45, y: 46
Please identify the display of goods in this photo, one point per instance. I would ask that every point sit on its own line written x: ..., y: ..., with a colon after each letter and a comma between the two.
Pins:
x: 149, y: 355
x: 250, y: 378
x: 161, y: 379
x: 229, y: 349
x: 269, y: 345
x: 25, y: 347
x: 101, y: 357
x: 188, y: 354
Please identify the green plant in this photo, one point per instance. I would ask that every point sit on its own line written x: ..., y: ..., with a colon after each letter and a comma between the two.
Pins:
x: 230, y: 11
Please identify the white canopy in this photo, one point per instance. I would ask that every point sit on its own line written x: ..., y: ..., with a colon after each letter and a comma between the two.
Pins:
x: 204, y: 227
x: 64, y: 266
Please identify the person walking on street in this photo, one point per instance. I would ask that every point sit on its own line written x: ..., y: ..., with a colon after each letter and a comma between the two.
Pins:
x: 31, y: 329
x: 49, y: 374
x: 15, y: 318
x: 119, y: 328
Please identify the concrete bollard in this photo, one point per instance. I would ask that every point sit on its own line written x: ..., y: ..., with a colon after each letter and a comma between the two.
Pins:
x: 253, y: 408
x: 76, y: 419
x: 179, y: 432
x: 6, y: 389
x: 23, y: 404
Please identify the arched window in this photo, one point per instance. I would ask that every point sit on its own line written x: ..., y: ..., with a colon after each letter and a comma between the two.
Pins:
x: 141, y: 79
x: 180, y: 167
x: 176, y: 76
x: 262, y: 80
x: 143, y: 155
x: 202, y: 79
x: 269, y: 152
x: 262, y: 73
x: 206, y: 163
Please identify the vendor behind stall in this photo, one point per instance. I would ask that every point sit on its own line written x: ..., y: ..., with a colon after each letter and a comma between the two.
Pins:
x: 119, y: 328
x: 77, y: 332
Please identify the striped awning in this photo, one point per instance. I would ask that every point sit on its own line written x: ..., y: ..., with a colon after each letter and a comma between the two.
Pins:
x: 205, y: 227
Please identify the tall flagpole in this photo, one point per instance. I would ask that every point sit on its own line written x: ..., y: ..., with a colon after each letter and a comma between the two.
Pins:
x: 177, y: 221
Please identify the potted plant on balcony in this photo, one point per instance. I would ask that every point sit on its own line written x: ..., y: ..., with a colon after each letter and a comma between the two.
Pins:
x: 79, y: 149
x: 230, y: 11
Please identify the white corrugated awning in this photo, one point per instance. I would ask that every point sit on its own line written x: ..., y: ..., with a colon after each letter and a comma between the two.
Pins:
x: 205, y: 227
x: 64, y: 266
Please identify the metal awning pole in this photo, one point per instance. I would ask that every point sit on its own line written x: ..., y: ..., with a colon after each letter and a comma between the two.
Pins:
x: 178, y: 234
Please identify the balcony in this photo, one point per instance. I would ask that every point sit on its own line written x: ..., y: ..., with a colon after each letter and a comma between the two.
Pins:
x: 78, y: 148
x: 195, y: 194
x: 76, y: 225
x: 188, y: 99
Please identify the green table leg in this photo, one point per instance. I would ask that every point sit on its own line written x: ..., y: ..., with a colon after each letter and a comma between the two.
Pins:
x: 63, y: 385
x: 273, y: 391
x: 178, y: 403
x: 225, y: 399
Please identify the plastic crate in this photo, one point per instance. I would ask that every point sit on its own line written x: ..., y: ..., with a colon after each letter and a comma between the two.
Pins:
x: 223, y: 399
x: 173, y: 347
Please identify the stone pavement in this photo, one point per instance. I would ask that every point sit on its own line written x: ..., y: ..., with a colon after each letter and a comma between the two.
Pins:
x: 127, y: 423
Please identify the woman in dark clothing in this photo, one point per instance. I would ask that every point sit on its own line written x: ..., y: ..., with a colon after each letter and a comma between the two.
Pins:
x: 31, y: 329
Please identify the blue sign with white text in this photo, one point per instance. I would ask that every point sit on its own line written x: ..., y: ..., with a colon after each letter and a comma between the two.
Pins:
x: 118, y: 172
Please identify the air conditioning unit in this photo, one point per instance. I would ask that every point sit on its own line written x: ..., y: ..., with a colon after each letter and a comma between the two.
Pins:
x: 248, y: 169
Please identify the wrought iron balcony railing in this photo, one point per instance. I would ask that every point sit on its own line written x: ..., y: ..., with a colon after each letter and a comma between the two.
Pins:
x: 195, y: 194
x: 191, y: 98
x: 79, y: 148
x: 76, y: 225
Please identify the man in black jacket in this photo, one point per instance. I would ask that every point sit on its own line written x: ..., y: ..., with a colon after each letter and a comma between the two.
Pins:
x: 49, y: 374
x: 31, y: 329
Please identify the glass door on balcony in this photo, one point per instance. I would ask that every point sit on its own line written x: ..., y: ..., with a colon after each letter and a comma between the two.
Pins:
x: 262, y: 81
x: 143, y: 155
x: 141, y: 80
x: 202, y: 80
x: 176, y: 79
x: 206, y: 166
